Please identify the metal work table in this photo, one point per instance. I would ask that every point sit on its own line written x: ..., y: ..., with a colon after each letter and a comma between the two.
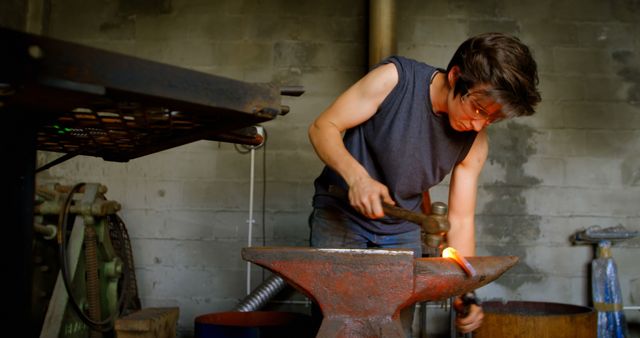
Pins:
x: 76, y: 100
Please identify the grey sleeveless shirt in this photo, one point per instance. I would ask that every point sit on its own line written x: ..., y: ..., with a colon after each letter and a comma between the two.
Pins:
x: 404, y: 145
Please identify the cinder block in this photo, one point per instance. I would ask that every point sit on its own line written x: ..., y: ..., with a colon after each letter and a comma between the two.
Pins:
x: 277, y: 28
x: 634, y: 290
x: 244, y: 53
x: 148, y: 323
x: 491, y: 172
x: 208, y: 284
x: 293, y: 166
x: 566, y: 201
x: 346, y: 55
x: 527, y: 11
x: 234, y: 165
x: 144, y: 223
x: 593, y: 172
x: 543, y: 56
x: 631, y: 171
x: 326, y: 85
x: 297, y: 54
x: 562, y: 142
x: 210, y: 24
x: 547, y: 34
x: 290, y: 225
x: 322, y: 9
x: 287, y: 137
x: 506, y: 229
x: 225, y: 195
x: 142, y: 193
x: 588, y: 115
x: 612, y: 143
x: 589, y: 11
x: 429, y: 30
x: 493, y: 24
x: 287, y: 196
x: 197, y: 254
x: 613, y: 35
x: 568, y: 290
x: 435, y: 55
x: 562, y: 261
x: 548, y: 170
x: 562, y: 88
x: 582, y: 60
x: 557, y: 230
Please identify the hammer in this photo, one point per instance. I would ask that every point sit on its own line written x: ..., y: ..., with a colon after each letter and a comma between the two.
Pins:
x: 431, y: 224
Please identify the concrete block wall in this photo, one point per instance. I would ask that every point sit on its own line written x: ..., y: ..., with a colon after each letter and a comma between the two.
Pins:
x: 572, y: 165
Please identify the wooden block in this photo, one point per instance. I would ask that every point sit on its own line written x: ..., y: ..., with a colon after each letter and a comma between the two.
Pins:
x: 148, y: 323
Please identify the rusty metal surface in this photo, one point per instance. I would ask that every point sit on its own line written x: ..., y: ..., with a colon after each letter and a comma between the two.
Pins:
x: 361, y: 292
x: 88, y: 101
x: 441, y: 278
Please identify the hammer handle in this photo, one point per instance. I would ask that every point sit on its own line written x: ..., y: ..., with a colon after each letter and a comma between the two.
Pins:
x: 390, y: 210
x: 405, y: 214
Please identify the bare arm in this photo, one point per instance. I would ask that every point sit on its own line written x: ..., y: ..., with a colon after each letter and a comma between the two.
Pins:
x: 462, y: 203
x: 356, y: 105
x: 462, y: 197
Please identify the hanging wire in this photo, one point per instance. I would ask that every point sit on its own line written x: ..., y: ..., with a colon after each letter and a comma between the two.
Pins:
x: 250, y: 149
x: 264, y: 192
x: 250, y: 220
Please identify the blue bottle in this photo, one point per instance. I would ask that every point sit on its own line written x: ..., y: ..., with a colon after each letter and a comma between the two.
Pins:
x: 607, y: 295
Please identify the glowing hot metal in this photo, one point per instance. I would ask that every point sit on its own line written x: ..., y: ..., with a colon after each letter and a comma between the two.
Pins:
x: 464, y: 264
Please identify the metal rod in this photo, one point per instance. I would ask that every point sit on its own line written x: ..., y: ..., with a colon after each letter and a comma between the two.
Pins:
x: 250, y: 221
x: 262, y: 294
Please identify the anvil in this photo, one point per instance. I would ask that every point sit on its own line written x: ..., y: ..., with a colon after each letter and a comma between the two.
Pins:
x: 361, y: 291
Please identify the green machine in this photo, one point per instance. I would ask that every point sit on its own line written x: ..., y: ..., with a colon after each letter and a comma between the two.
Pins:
x: 83, y: 266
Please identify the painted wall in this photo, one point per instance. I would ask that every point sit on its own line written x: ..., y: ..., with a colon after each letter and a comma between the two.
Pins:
x: 572, y: 165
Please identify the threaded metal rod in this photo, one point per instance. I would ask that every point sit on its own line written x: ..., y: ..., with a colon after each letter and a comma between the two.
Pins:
x: 262, y: 294
x: 93, y: 281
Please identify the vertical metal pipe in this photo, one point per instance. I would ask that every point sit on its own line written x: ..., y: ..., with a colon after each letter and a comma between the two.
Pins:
x: 382, y: 30
x: 36, y: 10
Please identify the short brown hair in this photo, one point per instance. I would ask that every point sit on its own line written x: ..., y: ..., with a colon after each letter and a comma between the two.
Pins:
x: 503, y: 62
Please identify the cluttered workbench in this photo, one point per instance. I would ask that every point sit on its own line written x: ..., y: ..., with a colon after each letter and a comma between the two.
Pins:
x: 75, y: 100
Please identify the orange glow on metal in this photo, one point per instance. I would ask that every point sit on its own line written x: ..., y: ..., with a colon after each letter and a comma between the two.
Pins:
x: 464, y: 264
